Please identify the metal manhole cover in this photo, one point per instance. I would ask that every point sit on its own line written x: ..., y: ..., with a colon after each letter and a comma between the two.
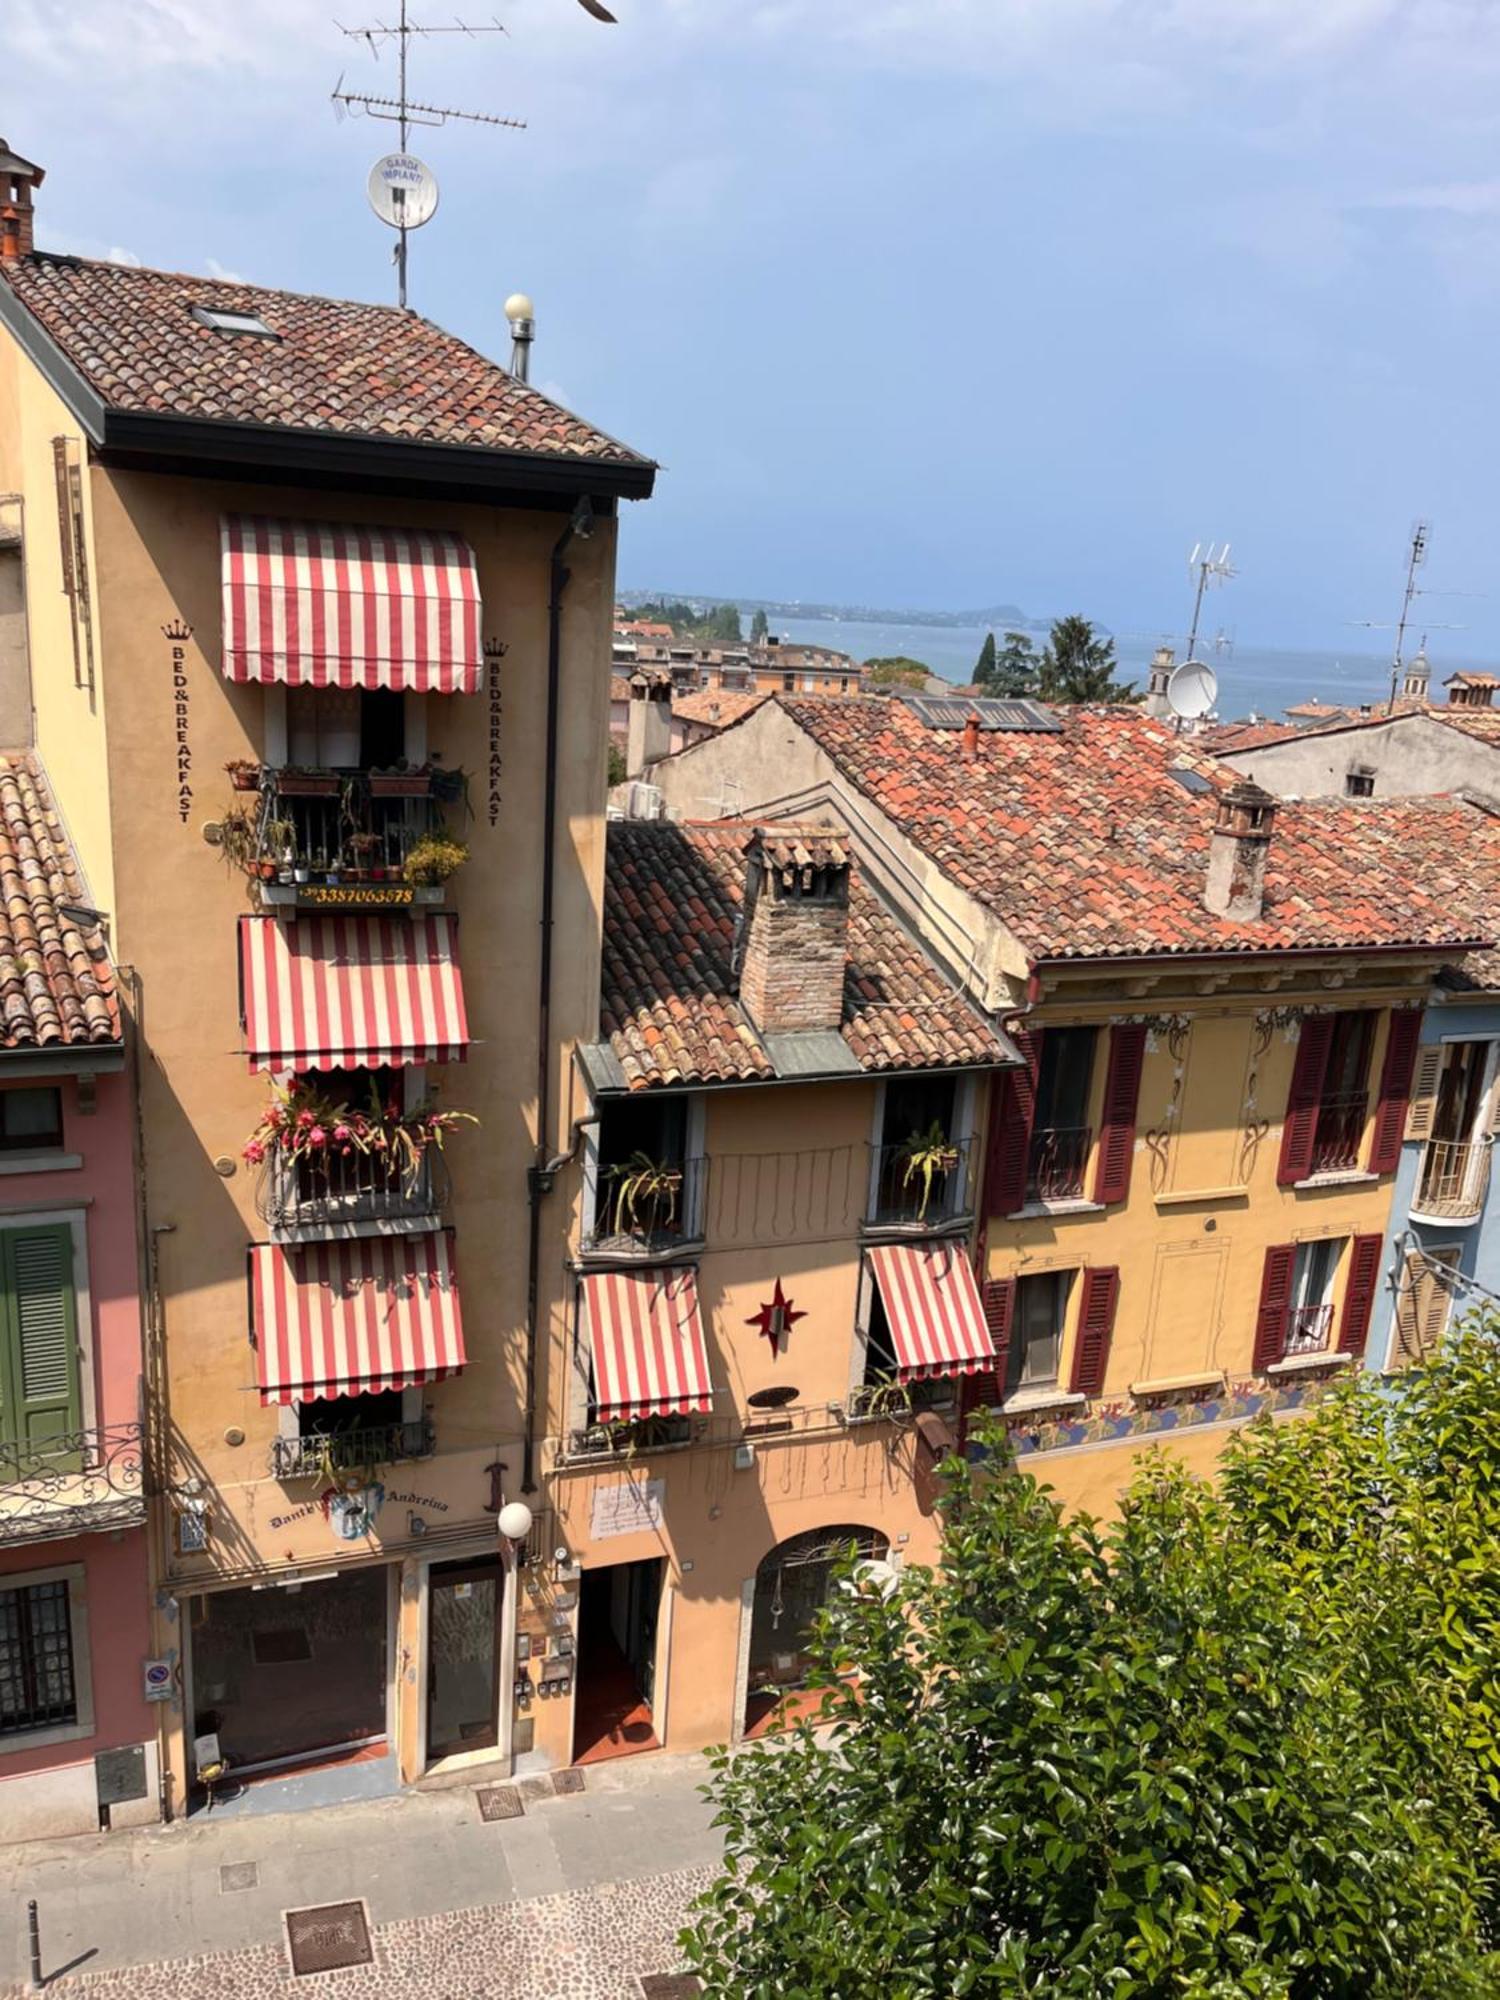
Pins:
x: 499, y: 1802
x: 567, y: 1781
x: 669, y: 1985
x: 329, y: 1938
x: 239, y: 1875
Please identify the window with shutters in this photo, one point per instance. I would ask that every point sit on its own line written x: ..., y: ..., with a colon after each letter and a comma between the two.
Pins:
x: 1041, y: 1312
x: 1060, y: 1134
x: 40, y: 1386
x: 45, y: 1692
x: 1453, y: 1175
x: 1344, y: 1101
x: 1309, y: 1320
x: 1424, y: 1305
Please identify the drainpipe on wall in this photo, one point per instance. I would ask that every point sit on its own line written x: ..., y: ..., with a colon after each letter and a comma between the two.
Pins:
x: 540, y: 1175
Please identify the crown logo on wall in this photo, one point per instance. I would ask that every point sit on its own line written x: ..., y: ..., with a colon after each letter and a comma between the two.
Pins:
x: 178, y: 629
x: 495, y: 649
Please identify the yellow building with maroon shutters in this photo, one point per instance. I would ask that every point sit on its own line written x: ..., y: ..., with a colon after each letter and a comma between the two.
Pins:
x: 1217, y: 997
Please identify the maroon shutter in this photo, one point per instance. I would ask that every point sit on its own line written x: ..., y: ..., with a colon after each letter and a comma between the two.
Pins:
x: 1096, y: 1323
x: 1395, y: 1089
x: 999, y: 1300
x: 1275, y: 1303
x: 1359, y: 1293
x: 1301, y: 1126
x: 1012, y: 1109
x: 1122, y: 1089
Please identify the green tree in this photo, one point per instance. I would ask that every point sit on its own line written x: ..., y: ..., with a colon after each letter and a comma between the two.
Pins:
x: 984, y: 671
x: 760, y: 629
x: 1077, y: 666
x: 1198, y: 1755
x: 1016, y: 667
x: 892, y: 670
x: 722, y: 626
x: 617, y: 772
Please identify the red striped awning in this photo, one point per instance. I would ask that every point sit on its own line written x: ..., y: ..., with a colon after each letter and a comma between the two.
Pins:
x: 646, y: 1337
x: 933, y: 1309
x: 310, y: 605
x: 346, y: 1319
x: 352, y: 992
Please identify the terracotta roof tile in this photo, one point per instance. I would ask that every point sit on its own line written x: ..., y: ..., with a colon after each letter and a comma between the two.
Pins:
x: 57, y: 986
x: 717, y: 708
x: 1086, y: 846
x: 338, y: 367
x: 672, y: 897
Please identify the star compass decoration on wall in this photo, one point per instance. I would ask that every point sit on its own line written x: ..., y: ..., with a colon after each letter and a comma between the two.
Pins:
x: 776, y: 1319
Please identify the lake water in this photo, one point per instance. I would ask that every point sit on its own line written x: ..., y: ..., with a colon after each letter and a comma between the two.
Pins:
x: 1264, y: 679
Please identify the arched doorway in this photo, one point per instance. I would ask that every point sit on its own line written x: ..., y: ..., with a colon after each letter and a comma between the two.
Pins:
x: 792, y: 1585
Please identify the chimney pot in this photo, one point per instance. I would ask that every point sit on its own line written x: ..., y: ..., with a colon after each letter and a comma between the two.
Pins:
x: 796, y: 927
x: 1238, y: 847
x: 17, y: 179
x: 971, y: 737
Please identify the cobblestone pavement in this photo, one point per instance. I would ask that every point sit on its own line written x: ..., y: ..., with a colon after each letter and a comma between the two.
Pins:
x: 594, y: 1944
x: 575, y: 1898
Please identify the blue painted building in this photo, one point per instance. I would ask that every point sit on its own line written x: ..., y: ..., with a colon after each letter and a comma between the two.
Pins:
x: 1443, y: 1250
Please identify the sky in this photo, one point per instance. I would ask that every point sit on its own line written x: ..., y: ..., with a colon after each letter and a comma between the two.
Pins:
x: 935, y: 303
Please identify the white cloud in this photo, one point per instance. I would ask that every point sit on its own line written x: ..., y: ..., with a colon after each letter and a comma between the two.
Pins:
x: 222, y: 272
x: 1472, y: 198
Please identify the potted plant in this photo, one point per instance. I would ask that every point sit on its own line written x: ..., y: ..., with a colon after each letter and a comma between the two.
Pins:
x: 400, y: 782
x: 928, y: 1157
x: 296, y: 781
x: 646, y: 1194
x: 278, y: 849
x: 363, y: 847
x: 244, y: 774
x: 238, y: 841
x: 449, y: 785
x: 433, y: 859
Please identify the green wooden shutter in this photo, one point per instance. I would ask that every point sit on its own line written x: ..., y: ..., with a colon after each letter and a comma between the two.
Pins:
x: 39, y: 1374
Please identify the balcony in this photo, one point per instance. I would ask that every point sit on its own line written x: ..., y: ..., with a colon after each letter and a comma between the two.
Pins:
x: 77, y: 1483
x: 1453, y: 1182
x: 1340, y: 1134
x: 1058, y: 1162
x: 1308, y: 1329
x: 618, y: 1444
x: 646, y: 1208
x: 923, y: 1186
x: 346, y: 838
x: 359, y: 1449
x: 367, y: 1194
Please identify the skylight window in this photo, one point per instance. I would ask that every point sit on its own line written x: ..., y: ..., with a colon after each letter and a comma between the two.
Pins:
x: 223, y: 321
x: 1190, y: 781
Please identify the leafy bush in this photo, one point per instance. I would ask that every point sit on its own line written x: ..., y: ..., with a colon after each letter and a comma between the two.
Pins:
x: 1232, y: 1745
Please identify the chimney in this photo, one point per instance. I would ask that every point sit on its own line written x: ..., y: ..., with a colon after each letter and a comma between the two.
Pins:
x: 795, y: 937
x: 1237, y: 851
x: 971, y: 738
x: 18, y: 178
x: 1158, y: 674
x: 648, y: 736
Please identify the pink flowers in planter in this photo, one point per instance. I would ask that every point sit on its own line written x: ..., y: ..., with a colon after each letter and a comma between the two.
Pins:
x: 304, y: 1121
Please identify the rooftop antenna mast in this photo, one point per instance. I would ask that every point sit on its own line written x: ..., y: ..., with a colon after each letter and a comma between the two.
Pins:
x: 402, y: 191
x: 1415, y: 557
x: 1210, y: 566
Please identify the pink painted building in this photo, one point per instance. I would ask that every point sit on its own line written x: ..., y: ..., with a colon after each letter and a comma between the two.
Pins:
x: 77, y: 1732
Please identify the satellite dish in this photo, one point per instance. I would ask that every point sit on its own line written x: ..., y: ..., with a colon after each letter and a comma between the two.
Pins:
x: 1193, y: 689
x: 403, y: 191
x: 873, y: 1578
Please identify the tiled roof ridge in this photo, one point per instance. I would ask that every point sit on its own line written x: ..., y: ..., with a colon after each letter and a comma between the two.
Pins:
x: 57, y: 986
x: 39, y: 256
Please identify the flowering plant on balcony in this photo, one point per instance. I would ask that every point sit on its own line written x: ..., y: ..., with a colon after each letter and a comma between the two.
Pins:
x: 305, y: 1121
x: 928, y: 1158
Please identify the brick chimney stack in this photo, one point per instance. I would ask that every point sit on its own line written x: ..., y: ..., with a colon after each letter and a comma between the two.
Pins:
x: 1237, y: 851
x: 796, y: 927
x: 18, y: 178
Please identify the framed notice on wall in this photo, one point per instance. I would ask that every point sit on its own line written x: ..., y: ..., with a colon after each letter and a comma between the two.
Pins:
x: 631, y: 1508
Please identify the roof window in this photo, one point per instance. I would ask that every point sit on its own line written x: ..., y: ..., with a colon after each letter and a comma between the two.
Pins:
x: 953, y: 711
x: 222, y: 320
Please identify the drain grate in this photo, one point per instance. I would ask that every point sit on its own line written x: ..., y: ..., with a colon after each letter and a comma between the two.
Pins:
x: 669, y: 1985
x: 564, y: 1782
x: 499, y: 1802
x: 238, y: 1875
x: 328, y: 1938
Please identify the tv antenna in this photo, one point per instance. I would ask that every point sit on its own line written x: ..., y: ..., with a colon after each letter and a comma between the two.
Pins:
x: 403, y: 191
x: 1209, y: 566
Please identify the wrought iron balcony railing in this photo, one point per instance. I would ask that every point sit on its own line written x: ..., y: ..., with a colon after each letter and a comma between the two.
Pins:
x: 617, y: 1443
x: 73, y: 1483
x: 1340, y: 1133
x: 365, y: 1189
x: 346, y: 826
x: 1307, y: 1329
x: 916, y: 1187
x: 647, y: 1212
x: 1454, y: 1180
x: 353, y: 1450
x: 1058, y: 1162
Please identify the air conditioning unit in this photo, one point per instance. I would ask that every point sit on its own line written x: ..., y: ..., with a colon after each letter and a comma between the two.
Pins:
x: 645, y: 801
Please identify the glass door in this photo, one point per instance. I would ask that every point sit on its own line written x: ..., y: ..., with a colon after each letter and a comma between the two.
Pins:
x: 463, y: 1656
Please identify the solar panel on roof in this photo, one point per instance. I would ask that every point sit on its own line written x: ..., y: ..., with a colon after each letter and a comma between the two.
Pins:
x: 1191, y: 781
x: 941, y: 711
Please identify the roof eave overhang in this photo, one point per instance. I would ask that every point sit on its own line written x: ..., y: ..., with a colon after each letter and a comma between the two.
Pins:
x: 1189, y: 964
x: 104, y: 1059
x: 163, y: 440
